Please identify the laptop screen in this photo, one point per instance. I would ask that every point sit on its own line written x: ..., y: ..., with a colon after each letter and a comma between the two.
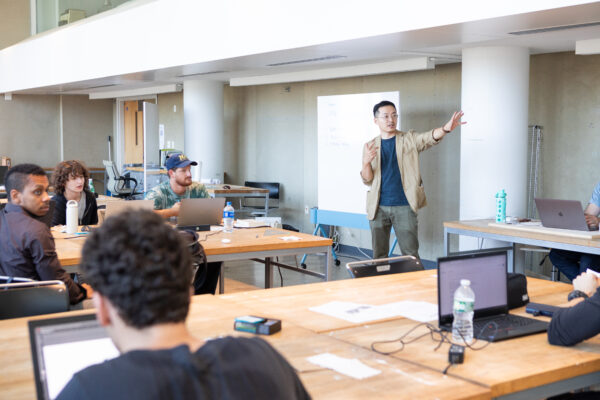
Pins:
x: 488, y: 275
x: 60, y: 347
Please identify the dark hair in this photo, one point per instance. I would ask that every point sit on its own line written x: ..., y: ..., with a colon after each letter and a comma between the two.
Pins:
x: 382, y: 104
x: 66, y: 170
x: 141, y: 265
x: 18, y: 176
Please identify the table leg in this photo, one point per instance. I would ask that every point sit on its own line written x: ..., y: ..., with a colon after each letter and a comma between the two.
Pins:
x: 446, y: 242
x: 268, y: 273
x: 266, y: 204
x: 328, y: 263
x: 222, y: 279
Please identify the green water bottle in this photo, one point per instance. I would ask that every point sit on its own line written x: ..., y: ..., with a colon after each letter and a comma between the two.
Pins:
x: 91, y: 185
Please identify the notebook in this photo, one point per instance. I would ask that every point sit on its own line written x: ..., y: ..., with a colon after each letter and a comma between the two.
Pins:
x: 60, y: 347
x: 562, y: 214
x: 384, y: 266
x: 488, y: 275
x: 200, y: 214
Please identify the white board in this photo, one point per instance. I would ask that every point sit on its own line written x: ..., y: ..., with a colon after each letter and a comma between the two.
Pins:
x: 345, y: 124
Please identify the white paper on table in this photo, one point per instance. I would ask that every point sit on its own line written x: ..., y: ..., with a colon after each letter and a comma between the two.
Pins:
x: 347, y: 366
x: 531, y: 223
x: 289, y: 238
x: 357, y: 313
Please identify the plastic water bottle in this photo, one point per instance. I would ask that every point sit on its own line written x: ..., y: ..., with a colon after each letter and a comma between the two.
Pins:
x: 501, y: 206
x: 228, y: 215
x: 91, y: 185
x: 464, y: 301
x: 72, y: 216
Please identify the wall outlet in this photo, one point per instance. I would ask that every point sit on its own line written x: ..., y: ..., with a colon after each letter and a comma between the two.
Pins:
x: 306, y: 210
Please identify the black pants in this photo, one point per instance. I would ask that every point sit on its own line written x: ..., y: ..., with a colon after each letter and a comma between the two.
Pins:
x: 206, y: 278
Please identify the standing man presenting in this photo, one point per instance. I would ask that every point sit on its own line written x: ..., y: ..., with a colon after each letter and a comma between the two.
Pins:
x: 390, y: 167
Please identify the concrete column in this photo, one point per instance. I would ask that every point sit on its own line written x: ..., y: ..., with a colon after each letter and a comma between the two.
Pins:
x: 203, y: 127
x: 493, y: 152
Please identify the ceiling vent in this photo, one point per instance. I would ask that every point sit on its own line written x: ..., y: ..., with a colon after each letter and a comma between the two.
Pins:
x: 307, y: 60
x: 554, y: 28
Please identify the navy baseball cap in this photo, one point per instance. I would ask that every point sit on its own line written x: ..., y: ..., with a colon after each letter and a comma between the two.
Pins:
x: 179, y: 160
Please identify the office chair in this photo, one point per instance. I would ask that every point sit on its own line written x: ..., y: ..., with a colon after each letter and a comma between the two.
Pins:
x: 273, y: 195
x: 24, y: 299
x: 118, y: 184
x: 384, y: 266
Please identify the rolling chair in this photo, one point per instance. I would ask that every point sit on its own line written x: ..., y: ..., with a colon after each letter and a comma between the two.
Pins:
x: 25, y: 298
x: 260, y: 209
x: 384, y: 266
x: 118, y: 184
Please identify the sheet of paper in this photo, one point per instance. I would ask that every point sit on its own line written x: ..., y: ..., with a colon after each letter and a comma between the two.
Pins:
x: 358, y: 313
x: 289, y: 238
x: 347, y: 366
x: 531, y: 223
x: 591, y: 271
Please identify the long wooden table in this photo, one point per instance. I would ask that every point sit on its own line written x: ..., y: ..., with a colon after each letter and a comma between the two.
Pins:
x: 486, y: 229
x: 260, y: 244
x: 219, y: 190
x: 212, y: 316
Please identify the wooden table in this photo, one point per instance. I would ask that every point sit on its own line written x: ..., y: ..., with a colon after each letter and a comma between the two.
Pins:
x: 238, y: 191
x: 211, y: 316
x: 482, y: 229
x: 259, y: 244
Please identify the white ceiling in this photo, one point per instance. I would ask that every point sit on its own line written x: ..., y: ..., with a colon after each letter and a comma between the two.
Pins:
x: 443, y: 44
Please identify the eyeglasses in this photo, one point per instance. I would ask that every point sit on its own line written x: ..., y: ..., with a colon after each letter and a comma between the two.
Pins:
x: 388, y: 116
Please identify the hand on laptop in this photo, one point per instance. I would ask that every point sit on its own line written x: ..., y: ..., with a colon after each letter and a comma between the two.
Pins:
x: 88, y: 289
x: 592, y: 221
x: 586, y: 283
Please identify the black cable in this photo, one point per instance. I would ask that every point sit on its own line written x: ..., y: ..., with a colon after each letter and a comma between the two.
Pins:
x: 206, y: 236
x: 447, y: 368
x: 279, y: 269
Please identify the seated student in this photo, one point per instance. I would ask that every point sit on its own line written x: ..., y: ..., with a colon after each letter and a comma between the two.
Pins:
x: 167, y: 196
x: 26, y: 245
x: 141, y: 274
x: 70, y: 181
x: 575, y: 324
x: 572, y: 263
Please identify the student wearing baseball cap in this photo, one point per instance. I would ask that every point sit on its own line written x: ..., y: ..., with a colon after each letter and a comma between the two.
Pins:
x: 167, y: 195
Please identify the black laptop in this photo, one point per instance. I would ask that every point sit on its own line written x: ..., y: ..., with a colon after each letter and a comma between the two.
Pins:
x: 488, y: 275
x: 384, y: 266
x: 61, y: 347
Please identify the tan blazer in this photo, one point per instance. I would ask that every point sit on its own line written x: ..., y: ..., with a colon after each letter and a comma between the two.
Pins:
x: 408, y: 146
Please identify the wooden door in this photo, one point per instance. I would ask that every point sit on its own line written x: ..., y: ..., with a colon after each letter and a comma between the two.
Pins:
x: 134, y: 132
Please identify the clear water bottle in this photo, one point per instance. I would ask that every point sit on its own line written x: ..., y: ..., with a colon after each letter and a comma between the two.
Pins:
x: 501, y: 206
x: 91, y: 185
x: 228, y: 215
x: 464, y: 301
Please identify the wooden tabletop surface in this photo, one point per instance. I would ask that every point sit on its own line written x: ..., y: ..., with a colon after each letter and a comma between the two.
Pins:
x: 234, y: 189
x: 211, y: 317
x: 483, y: 225
x: 241, y: 241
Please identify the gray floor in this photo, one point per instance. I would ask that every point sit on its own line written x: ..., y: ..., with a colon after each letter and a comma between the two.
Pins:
x: 253, y: 273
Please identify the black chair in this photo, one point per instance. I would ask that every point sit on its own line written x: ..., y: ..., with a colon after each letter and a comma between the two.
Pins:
x: 384, y: 266
x: 118, y: 185
x: 24, y: 299
x: 273, y: 195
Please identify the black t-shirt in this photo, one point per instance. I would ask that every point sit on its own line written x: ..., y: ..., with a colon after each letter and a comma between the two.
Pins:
x: 572, y: 325
x: 228, y: 368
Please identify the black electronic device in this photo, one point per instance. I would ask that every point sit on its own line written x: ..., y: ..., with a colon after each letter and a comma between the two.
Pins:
x: 456, y: 354
x: 259, y: 325
x: 541, y: 309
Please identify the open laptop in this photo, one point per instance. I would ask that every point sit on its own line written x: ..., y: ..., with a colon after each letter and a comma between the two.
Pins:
x: 488, y: 275
x: 563, y: 214
x: 60, y: 347
x: 116, y: 207
x: 200, y: 214
x: 383, y: 266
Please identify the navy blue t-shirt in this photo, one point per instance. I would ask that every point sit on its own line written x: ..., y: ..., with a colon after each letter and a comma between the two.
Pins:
x: 392, y: 191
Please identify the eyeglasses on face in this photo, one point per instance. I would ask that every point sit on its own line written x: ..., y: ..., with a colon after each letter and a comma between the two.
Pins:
x: 388, y: 116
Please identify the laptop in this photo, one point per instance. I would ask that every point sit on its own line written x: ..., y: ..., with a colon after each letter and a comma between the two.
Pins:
x: 61, y: 347
x: 116, y: 207
x: 384, y: 266
x: 563, y: 214
x: 200, y: 214
x: 488, y: 275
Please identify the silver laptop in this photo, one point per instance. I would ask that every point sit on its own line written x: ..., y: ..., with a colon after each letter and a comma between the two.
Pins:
x: 61, y: 347
x: 200, y: 214
x: 116, y: 207
x: 563, y: 214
